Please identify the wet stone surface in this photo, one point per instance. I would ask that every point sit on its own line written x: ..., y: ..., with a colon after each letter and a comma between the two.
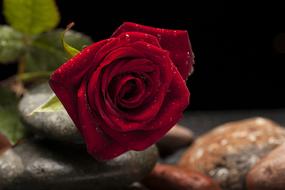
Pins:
x: 54, y: 125
x: 175, y: 139
x: 171, y: 177
x: 269, y: 172
x: 44, y: 165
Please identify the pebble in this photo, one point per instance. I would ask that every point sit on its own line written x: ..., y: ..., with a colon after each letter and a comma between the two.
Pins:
x: 45, y: 165
x: 268, y: 173
x: 227, y: 152
x: 171, y: 177
x: 176, y: 138
x: 52, y: 125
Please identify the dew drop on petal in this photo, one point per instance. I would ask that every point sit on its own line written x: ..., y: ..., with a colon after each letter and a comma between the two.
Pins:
x: 158, y: 36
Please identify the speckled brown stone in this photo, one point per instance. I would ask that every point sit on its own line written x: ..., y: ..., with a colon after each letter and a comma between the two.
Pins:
x: 175, y: 178
x: 268, y: 173
x: 228, y: 152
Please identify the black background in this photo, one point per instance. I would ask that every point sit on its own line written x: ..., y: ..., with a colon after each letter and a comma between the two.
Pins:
x: 239, y: 46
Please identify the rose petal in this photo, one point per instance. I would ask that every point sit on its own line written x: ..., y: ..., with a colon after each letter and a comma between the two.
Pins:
x: 122, y: 40
x: 98, y: 143
x: 66, y: 80
x: 134, y: 36
x: 175, y: 41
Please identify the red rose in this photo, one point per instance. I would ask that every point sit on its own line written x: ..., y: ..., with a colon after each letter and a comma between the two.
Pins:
x: 124, y: 93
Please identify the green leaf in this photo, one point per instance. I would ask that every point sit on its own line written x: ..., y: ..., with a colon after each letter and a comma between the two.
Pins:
x: 47, y: 52
x: 53, y: 104
x: 68, y: 48
x: 31, y: 16
x: 10, y: 124
x: 11, y: 44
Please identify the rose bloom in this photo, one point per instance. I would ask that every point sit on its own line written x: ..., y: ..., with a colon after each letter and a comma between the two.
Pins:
x: 124, y: 93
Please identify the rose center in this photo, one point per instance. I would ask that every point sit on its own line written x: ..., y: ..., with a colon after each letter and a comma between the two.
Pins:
x: 129, y: 90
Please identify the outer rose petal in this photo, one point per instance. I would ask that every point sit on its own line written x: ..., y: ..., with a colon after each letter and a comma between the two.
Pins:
x: 175, y: 41
x: 122, y: 40
x: 99, y: 145
x: 66, y: 80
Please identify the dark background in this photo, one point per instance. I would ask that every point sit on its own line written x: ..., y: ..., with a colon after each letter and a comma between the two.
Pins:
x: 239, y: 46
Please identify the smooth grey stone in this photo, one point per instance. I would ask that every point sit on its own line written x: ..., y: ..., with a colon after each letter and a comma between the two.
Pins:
x: 45, y: 165
x: 176, y: 138
x: 55, y: 125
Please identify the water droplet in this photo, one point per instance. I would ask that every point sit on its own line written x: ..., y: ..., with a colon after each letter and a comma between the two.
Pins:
x: 158, y: 36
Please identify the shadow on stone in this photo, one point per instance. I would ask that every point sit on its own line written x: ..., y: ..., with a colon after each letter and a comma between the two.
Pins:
x: 44, y: 165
